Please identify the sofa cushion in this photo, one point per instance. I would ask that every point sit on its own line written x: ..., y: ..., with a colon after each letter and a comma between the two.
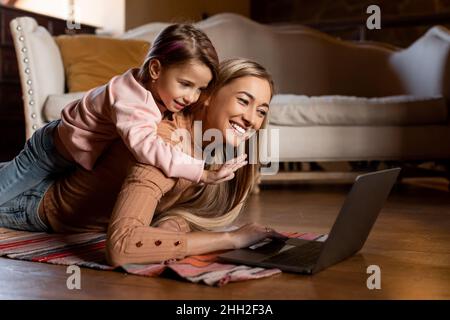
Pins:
x: 56, y: 102
x: 297, y: 110
x: 90, y: 61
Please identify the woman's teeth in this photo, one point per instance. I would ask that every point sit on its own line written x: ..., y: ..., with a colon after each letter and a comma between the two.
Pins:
x: 238, y: 128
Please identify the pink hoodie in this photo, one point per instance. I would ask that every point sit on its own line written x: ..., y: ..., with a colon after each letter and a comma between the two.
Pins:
x: 124, y: 109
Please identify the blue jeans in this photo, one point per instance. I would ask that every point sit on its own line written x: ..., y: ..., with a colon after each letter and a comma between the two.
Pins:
x: 36, y: 162
x: 21, y: 213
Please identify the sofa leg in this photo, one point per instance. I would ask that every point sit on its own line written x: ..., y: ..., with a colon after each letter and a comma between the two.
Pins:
x: 256, y: 189
x: 447, y: 172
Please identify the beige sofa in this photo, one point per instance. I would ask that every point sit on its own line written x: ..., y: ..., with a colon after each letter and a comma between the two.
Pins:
x: 336, y: 100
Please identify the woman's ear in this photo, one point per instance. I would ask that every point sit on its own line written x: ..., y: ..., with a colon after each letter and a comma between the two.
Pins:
x: 154, y: 69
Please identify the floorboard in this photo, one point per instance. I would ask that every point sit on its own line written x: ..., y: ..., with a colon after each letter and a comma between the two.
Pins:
x: 410, y: 242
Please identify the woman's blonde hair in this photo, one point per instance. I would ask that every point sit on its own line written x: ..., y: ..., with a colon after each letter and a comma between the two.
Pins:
x: 217, y: 206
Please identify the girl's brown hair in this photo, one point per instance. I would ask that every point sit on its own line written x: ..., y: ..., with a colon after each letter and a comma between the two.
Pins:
x: 178, y: 44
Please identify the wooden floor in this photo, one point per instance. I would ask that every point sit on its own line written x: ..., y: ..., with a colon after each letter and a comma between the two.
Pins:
x: 410, y: 243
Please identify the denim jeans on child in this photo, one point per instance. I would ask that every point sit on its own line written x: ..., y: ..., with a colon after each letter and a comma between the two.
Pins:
x: 36, y: 162
x: 21, y: 213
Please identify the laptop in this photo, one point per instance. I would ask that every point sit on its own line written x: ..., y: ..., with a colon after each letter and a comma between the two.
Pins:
x: 347, y: 236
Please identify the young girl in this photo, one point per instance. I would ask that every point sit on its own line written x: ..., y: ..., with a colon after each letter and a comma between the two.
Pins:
x: 181, y: 66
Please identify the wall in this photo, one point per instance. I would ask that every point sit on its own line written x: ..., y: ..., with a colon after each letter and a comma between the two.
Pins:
x: 315, y: 11
x: 116, y: 16
x: 139, y: 12
x: 306, y: 11
x: 107, y: 14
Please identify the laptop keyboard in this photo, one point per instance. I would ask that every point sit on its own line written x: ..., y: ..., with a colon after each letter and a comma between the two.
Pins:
x: 304, y: 255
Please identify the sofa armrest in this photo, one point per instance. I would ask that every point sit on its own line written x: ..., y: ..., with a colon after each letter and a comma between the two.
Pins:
x: 424, y: 67
x: 40, y: 67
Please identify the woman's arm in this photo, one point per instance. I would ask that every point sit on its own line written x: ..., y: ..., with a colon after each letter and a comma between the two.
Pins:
x: 137, y: 125
x: 130, y: 238
x: 204, y: 242
x: 174, y: 223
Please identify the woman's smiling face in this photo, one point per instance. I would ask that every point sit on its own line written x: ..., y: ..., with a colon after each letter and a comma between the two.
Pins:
x: 238, y: 108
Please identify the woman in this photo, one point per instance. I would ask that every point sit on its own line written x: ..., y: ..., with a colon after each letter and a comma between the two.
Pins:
x: 140, y: 195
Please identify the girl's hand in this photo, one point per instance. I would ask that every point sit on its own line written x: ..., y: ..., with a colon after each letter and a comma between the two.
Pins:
x: 225, y: 172
x: 252, y: 233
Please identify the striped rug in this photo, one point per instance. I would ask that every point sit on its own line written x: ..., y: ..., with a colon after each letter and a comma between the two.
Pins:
x: 88, y: 250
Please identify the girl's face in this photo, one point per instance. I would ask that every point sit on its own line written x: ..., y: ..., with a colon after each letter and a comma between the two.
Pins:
x: 176, y: 87
x: 238, y: 108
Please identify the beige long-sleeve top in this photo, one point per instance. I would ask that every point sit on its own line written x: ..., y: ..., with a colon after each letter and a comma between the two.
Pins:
x: 121, y: 196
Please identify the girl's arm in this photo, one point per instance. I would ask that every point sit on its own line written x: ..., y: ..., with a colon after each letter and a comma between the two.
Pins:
x: 136, y: 124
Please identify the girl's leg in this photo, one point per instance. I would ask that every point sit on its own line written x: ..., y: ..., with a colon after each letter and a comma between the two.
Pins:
x: 34, y: 163
x: 21, y: 212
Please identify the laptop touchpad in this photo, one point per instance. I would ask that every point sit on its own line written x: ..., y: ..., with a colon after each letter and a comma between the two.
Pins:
x: 271, y: 247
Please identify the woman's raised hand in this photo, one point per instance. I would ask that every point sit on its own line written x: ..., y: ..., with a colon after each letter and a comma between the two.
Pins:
x: 225, y: 172
x: 252, y: 233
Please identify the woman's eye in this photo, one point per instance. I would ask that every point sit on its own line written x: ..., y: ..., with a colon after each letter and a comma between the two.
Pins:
x: 184, y: 84
x: 263, y: 113
x: 243, y: 101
